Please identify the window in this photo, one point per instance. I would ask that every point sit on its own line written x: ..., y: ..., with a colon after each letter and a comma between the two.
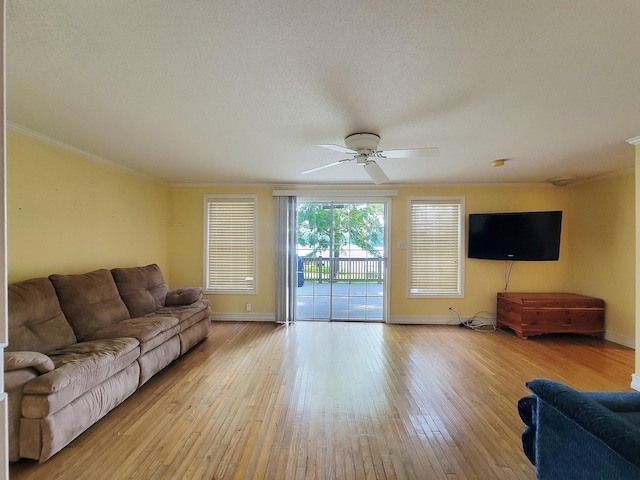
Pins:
x: 230, y: 244
x: 435, y: 246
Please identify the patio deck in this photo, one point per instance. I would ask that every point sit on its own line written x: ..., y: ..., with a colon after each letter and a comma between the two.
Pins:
x: 351, y: 301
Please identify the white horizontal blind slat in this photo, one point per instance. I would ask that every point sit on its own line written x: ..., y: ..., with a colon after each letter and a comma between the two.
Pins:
x: 231, y: 244
x: 435, y: 250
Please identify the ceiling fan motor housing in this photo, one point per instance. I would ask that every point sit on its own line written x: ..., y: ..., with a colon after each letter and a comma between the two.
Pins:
x: 363, y: 143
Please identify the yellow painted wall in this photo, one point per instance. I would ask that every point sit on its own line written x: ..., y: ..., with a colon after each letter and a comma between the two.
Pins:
x: 483, y: 277
x: 602, y: 247
x: 70, y: 214
x: 187, y: 246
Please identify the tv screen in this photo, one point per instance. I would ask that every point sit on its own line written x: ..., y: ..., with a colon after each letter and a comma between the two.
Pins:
x: 530, y: 236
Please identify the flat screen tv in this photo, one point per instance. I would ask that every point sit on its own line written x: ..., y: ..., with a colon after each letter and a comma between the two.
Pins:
x: 528, y: 236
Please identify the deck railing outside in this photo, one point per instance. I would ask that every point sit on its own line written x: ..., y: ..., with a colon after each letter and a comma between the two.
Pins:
x: 323, y: 269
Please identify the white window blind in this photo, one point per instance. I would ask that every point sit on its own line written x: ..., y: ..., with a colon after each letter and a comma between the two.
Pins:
x: 230, y: 244
x: 435, y: 246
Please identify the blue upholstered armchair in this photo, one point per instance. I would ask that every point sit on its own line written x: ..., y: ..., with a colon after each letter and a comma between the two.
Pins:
x: 581, y: 435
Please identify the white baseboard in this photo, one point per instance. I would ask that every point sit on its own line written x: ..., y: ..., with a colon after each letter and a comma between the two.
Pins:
x: 635, y: 382
x: 393, y: 319
x: 243, y: 317
x: 448, y: 320
x: 420, y: 320
x: 271, y: 317
x: 620, y: 339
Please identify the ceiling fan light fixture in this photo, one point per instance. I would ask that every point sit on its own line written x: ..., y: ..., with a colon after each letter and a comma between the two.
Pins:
x: 362, y: 159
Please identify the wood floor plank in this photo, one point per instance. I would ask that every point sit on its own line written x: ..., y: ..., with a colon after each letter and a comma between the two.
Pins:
x: 323, y: 400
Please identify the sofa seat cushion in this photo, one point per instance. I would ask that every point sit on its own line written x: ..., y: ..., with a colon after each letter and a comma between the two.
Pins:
x: 78, y: 360
x: 188, y: 315
x: 150, y: 331
x: 79, y: 368
x: 36, y: 322
x: 143, y: 289
x: 90, y: 301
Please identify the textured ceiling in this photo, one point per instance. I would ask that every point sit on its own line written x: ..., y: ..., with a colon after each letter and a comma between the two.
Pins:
x: 243, y: 92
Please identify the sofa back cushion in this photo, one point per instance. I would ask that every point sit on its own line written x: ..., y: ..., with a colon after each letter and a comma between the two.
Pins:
x: 90, y: 301
x: 143, y: 289
x: 36, y: 322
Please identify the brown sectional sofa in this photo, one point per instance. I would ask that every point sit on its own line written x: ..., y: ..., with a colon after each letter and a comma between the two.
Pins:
x: 79, y: 345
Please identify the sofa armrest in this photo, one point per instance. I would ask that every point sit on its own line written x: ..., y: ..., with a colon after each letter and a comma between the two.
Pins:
x: 19, y: 360
x: 576, y: 433
x: 183, y: 296
x: 616, y: 401
x: 527, y: 409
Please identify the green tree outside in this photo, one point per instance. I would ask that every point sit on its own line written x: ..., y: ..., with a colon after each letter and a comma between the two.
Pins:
x: 328, y: 226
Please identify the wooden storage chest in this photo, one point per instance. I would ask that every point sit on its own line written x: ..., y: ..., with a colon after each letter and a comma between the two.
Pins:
x: 538, y: 313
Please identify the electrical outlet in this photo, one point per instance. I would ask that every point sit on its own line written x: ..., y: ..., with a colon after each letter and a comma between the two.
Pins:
x: 248, y: 307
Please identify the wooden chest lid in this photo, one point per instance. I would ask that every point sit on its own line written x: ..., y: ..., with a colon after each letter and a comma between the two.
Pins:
x: 542, y: 297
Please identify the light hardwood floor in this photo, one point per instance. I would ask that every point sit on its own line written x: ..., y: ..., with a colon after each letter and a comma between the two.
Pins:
x: 335, y: 401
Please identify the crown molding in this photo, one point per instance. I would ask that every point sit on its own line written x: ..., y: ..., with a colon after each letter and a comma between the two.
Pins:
x: 634, y: 140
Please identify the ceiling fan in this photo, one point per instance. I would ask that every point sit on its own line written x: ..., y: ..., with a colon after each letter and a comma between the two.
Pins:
x: 364, y: 147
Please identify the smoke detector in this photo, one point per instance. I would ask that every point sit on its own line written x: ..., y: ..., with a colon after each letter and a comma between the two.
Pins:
x: 562, y: 181
x: 499, y: 162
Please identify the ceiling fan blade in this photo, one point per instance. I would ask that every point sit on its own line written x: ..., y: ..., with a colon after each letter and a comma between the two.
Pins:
x: 375, y: 172
x: 327, y: 165
x: 412, y: 153
x: 338, y: 148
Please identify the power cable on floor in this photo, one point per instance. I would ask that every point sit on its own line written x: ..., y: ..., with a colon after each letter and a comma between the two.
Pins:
x: 477, y: 322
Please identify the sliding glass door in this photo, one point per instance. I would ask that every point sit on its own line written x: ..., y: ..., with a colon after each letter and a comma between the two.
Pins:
x: 341, y: 256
